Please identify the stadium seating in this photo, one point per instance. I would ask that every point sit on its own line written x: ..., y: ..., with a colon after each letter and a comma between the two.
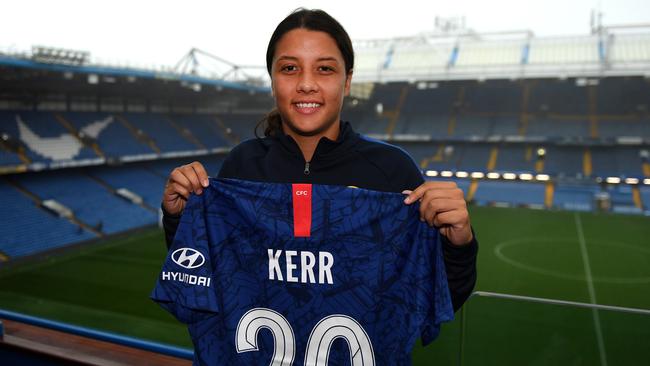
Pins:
x: 8, y: 158
x: 160, y: 130
x: 242, y: 126
x: 27, y: 229
x: 575, y: 197
x: 136, y: 179
x: 516, y: 158
x: 489, y: 53
x: 645, y: 197
x: 566, y: 50
x: 622, y: 200
x: 471, y: 126
x: 564, y: 161
x: 513, y: 193
x: 115, y: 140
x: 203, y: 128
x: 91, y: 203
x: 44, y: 137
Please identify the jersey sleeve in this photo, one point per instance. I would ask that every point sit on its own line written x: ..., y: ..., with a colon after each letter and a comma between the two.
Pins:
x: 185, y: 286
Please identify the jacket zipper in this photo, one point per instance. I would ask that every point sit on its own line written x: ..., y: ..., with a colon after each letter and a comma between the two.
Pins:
x: 306, y: 171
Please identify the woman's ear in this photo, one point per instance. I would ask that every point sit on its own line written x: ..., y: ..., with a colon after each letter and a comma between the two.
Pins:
x: 348, y: 81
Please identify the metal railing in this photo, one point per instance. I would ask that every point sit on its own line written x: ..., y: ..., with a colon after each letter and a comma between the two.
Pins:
x: 99, y: 335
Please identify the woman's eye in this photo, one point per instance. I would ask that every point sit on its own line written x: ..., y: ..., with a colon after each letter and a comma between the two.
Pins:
x: 289, y: 68
x: 326, y: 69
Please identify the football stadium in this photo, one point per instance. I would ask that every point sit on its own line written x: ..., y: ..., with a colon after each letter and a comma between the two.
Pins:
x: 548, y: 137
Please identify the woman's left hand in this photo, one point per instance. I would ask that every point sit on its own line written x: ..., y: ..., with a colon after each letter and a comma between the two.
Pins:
x: 442, y: 204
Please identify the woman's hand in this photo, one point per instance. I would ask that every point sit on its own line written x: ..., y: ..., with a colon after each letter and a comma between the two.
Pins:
x: 181, y: 182
x: 442, y: 204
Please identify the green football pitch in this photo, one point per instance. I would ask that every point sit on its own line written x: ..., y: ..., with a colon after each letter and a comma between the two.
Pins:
x: 578, y: 257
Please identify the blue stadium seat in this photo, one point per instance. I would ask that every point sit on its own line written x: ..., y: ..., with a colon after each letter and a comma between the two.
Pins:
x: 205, y: 129
x: 158, y: 127
x: 8, y: 158
x: 90, y: 202
x: 27, y: 229
x: 474, y: 157
x: 44, y: 137
x: 622, y: 200
x: 514, y: 193
x: 645, y: 197
x: 564, y: 161
x: 575, y: 197
x: 242, y: 125
x: 138, y: 180
x: 114, y: 140
x: 513, y: 158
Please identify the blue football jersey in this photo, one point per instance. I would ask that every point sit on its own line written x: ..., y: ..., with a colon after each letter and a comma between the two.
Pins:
x: 282, y: 274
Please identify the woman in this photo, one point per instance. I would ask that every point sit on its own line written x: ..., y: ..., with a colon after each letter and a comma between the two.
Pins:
x: 310, y: 60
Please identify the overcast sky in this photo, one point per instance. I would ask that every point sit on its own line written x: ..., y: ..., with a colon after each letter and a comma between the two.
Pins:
x: 161, y: 32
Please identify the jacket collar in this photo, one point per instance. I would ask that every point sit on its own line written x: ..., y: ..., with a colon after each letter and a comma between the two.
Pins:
x: 326, y: 149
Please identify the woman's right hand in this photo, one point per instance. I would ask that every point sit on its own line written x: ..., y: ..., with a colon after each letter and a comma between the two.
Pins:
x: 181, y: 182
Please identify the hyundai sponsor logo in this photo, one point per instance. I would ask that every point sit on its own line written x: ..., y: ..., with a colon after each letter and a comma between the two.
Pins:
x: 188, y: 258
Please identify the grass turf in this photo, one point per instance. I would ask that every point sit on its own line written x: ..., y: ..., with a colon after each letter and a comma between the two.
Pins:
x: 523, y: 252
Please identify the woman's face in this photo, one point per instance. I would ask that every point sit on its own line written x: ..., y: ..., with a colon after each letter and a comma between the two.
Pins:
x: 309, y: 80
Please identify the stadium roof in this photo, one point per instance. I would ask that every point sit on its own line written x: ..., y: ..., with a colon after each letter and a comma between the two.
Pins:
x: 610, y: 51
x: 61, y: 60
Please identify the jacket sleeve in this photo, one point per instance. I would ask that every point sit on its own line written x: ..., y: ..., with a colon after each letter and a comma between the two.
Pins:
x: 460, y: 265
x: 170, y: 225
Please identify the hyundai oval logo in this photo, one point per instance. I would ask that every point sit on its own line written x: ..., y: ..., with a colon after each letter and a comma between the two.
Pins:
x: 188, y: 258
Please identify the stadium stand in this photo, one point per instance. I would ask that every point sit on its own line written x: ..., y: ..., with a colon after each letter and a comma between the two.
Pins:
x: 461, y: 104
x: 419, y: 116
x: 622, y: 200
x: 144, y: 183
x: 514, y: 193
x: 241, y: 126
x: 159, y: 129
x: 90, y: 202
x: 8, y: 158
x: 203, y: 129
x: 645, y: 197
x: 28, y: 228
x: 575, y: 197
x: 113, y: 137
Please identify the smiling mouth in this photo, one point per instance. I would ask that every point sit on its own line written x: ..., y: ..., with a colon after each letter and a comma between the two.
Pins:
x: 307, y: 107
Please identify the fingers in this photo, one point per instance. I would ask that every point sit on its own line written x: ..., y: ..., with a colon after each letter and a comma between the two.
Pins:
x: 417, y: 194
x: 442, y: 204
x: 439, y: 197
x: 201, y: 174
x: 196, y: 175
x: 182, y: 181
x: 444, y: 211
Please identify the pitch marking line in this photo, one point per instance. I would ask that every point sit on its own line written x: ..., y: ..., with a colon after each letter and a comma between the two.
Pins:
x: 590, y: 287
